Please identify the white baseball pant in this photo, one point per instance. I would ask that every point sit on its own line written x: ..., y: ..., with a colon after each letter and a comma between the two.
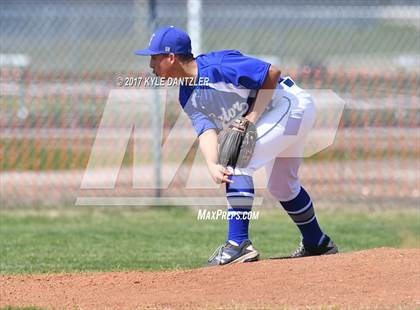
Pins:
x: 282, y: 133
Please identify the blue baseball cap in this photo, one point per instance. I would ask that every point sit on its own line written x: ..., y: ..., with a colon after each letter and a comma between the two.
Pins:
x: 167, y: 40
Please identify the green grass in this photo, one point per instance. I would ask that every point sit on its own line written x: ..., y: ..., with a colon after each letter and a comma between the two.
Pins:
x: 99, y: 239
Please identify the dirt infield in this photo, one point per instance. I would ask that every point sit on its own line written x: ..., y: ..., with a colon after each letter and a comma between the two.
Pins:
x: 382, y: 278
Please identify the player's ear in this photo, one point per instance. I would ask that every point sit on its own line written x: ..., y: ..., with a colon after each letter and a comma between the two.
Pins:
x: 172, y: 57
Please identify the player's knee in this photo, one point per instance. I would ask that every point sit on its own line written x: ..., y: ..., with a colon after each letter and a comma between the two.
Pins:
x: 284, y: 190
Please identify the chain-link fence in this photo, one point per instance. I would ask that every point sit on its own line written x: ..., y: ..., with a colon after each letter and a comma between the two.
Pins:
x: 59, y: 62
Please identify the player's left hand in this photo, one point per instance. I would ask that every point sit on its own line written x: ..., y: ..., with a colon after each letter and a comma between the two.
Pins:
x: 220, y: 174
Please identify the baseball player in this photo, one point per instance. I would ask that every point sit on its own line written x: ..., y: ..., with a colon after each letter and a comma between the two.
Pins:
x: 243, y: 92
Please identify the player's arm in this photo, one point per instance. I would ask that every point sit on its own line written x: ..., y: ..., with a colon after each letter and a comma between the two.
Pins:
x: 208, y: 146
x: 206, y: 131
x: 264, y: 94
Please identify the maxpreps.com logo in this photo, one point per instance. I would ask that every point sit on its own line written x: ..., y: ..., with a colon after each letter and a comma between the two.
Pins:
x: 127, y: 116
x: 220, y: 214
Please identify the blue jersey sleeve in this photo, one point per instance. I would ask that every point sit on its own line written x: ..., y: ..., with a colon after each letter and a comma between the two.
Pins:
x: 200, y: 121
x: 243, y: 70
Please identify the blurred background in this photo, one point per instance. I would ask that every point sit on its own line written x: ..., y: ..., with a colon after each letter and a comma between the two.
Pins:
x: 59, y: 61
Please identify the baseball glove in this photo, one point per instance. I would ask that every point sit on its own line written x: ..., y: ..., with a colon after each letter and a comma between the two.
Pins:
x: 237, y: 143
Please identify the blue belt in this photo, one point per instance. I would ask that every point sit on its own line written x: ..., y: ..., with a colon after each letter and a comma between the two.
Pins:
x: 287, y: 82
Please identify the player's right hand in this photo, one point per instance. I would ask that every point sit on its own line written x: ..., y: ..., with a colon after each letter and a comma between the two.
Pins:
x: 220, y: 174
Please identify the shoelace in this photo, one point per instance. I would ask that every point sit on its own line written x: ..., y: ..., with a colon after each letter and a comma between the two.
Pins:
x: 300, y: 249
x: 217, y: 252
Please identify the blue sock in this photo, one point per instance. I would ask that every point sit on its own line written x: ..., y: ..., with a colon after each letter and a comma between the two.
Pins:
x: 240, y: 196
x: 301, y: 211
